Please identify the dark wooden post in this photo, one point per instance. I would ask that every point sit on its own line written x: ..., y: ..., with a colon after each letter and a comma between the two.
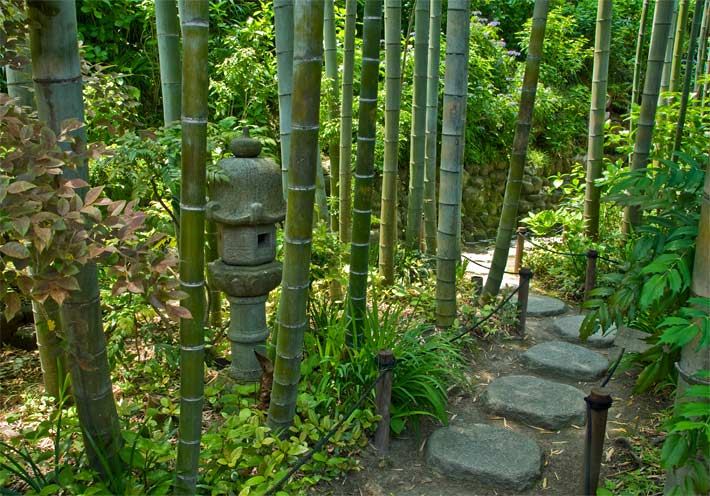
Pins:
x: 590, y: 281
x: 523, y: 293
x: 520, y: 248
x: 477, y: 285
x: 385, y: 362
x: 598, y: 403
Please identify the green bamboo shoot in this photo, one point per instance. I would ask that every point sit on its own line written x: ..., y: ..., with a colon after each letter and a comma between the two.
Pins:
x: 195, y: 82
x: 331, y: 72
x: 307, y: 61
x: 432, y: 116
x: 346, y: 123
x: 393, y: 97
x: 283, y: 20
x: 452, y: 150
x: 168, y: 29
x: 662, y: 18
x: 415, y: 203
x: 56, y: 71
x: 597, y: 113
x: 685, y: 93
x: 509, y: 215
x: 364, y: 165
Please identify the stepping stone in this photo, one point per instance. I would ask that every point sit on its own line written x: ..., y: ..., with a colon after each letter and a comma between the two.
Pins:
x: 544, y: 306
x: 568, y: 329
x: 535, y: 401
x: 565, y: 359
x: 488, y: 455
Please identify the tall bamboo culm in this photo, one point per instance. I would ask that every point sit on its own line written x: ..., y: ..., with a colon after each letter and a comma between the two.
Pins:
x: 635, y: 85
x: 415, y: 203
x: 307, y: 62
x: 694, y: 356
x: 393, y: 94
x: 346, y: 123
x: 365, y: 164
x: 702, y: 50
x: 19, y: 84
x: 168, y: 29
x: 56, y: 72
x: 195, y: 82
x: 597, y: 113
x: 432, y: 117
x: 331, y: 72
x: 668, y: 53
x: 678, y: 40
x: 688, y: 78
x: 452, y: 150
x: 662, y: 18
x: 509, y: 214
x: 283, y: 21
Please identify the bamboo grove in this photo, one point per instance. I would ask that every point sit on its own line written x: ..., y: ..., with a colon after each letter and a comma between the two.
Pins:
x: 315, y: 69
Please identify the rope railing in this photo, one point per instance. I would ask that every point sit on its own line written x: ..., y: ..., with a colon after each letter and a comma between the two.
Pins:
x: 567, y: 253
x: 483, y: 266
x: 480, y: 322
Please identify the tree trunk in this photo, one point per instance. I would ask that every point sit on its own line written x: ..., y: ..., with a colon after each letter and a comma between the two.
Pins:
x: 662, y: 18
x: 635, y: 85
x: 685, y: 94
x: 393, y: 94
x: 331, y: 72
x: 417, y: 144
x: 452, y: 149
x: 678, y: 45
x: 432, y: 115
x: 56, y: 72
x: 195, y: 83
x: 509, y: 214
x: 168, y: 29
x: 293, y: 321
x: 283, y: 20
x: 346, y: 122
x: 597, y: 116
x: 364, y: 165
x: 694, y: 357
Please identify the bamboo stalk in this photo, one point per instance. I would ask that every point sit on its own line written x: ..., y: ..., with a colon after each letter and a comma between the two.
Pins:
x: 307, y: 61
x: 364, y: 166
x: 215, y: 295
x: 452, y: 150
x: 432, y: 115
x: 283, y: 20
x: 685, y: 94
x: 415, y: 203
x: 56, y: 72
x: 668, y: 54
x: 678, y: 45
x: 19, y: 84
x: 331, y: 72
x: 702, y: 50
x: 346, y: 123
x: 168, y: 29
x: 393, y: 95
x: 509, y: 215
x: 662, y: 18
x: 597, y: 113
x: 195, y: 83
x: 637, y: 58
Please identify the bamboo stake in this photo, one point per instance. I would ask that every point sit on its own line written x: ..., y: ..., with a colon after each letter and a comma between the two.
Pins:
x: 195, y: 83
x: 393, y: 88
x: 307, y: 62
x: 364, y: 166
x: 508, y: 218
x: 452, y: 149
x: 597, y: 117
x: 432, y: 114
x: 415, y: 201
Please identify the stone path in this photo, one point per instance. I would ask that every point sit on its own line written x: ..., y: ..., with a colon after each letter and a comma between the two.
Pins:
x: 507, y: 458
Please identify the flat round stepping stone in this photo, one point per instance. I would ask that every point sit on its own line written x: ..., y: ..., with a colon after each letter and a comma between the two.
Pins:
x: 488, y: 455
x: 568, y: 329
x: 544, y: 306
x: 535, y: 401
x: 561, y: 358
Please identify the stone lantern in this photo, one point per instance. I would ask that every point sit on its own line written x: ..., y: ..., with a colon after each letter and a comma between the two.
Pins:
x: 246, y: 208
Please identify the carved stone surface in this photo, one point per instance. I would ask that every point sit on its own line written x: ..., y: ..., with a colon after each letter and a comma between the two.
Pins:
x: 245, y: 281
x: 247, y: 245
